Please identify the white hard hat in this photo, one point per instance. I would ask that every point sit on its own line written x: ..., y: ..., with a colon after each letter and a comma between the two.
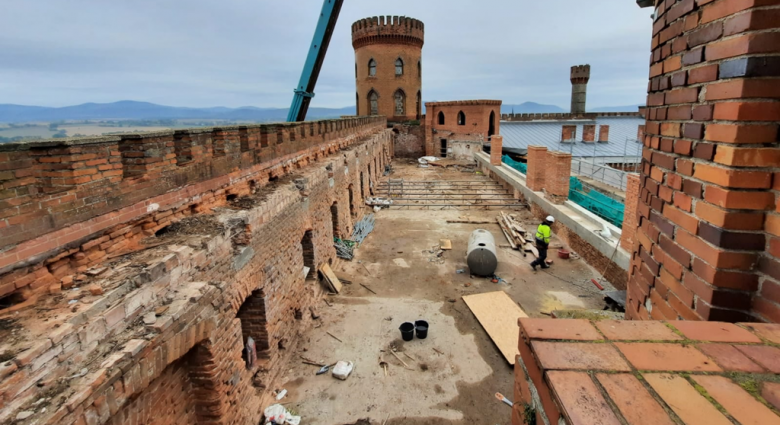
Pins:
x: 550, y: 218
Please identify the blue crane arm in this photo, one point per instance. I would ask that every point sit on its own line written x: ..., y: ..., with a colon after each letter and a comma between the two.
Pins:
x: 311, y: 70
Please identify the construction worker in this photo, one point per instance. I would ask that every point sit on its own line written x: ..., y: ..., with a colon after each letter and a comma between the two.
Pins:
x: 543, y: 234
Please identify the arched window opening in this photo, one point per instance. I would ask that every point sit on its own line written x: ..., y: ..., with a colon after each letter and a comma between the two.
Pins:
x: 492, y: 125
x: 441, y: 118
x: 418, y: 107
x: 371, y: 68
x: 356, y: 70
x: 307, y: 249
x: 399, y: 67
x: 351, y: 190
x: 373, y: 103
x: 357, y: 104
x: 334, y: 216
x: 419, y: 69
x: 461, y: 118
x: 400, y: 103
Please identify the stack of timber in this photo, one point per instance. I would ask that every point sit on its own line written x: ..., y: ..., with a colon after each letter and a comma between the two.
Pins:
x: 515, y: 234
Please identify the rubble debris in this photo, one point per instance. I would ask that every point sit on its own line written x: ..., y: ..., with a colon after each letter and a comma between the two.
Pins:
x: 342, y: 370
x: 334, y: 337
x: 277, y: 414
x: 504, y: 400
x: 280, y: 395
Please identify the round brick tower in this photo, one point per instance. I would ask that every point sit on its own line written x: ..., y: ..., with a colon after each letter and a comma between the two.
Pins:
x: 388, y: 67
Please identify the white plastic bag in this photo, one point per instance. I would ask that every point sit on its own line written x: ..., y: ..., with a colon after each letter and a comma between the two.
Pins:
x: 342, y: 370
x: 277, y: 414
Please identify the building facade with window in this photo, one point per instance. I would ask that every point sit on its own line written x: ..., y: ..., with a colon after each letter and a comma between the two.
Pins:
x: 388, y: 67
x: 461, y: 126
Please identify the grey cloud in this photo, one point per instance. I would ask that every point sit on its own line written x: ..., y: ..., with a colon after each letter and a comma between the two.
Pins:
x: 250, y: 52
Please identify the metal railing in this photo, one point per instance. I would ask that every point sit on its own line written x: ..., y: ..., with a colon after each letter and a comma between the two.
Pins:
x: 603, y: 173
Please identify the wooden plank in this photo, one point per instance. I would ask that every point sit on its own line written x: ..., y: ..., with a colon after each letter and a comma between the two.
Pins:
x: 469, y: 222
x: 506, y: 234
x: 498, y: 315
x: 334, y: 282
x: 445, y: 244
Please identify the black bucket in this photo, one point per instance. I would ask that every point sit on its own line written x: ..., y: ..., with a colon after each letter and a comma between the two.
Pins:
x: 407, y: 331
x: 422, y: 329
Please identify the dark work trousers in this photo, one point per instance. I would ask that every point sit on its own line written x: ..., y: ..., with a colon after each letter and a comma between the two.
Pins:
x: 542, y: 248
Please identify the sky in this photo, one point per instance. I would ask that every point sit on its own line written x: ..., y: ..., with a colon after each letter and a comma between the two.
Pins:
x: 202, y: 53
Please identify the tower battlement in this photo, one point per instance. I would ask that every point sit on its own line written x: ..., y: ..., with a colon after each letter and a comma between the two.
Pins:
x: 580, y: 74
x: 388, y: 30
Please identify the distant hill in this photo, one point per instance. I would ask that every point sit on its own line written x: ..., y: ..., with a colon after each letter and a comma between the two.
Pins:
x: 127, y: 109
x: 629, y: 108
x: 531, y: 108
x: 131, y: 110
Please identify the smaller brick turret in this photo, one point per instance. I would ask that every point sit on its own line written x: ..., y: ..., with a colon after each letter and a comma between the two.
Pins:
x: 580, y: 75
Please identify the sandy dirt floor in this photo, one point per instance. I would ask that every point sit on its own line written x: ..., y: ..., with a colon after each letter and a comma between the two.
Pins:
x: 457, y: 369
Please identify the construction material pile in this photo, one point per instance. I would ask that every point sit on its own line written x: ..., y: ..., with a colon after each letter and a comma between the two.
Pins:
x: 515, y: 234
x: 345, y: 248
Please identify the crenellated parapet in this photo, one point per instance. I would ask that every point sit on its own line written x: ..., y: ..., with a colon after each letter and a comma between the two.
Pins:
x: 51, y: 184
x: 580, y: 74
x: 388, y: 30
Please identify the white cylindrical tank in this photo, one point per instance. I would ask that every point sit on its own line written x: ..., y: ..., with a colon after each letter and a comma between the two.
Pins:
x: 481, y: 254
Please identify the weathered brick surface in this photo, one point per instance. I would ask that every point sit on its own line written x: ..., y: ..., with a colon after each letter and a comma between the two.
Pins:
x: 384, y: 40
x: 409, y: 141
x: 559, y: 373
x: 206, y: 296
x: 706, y: 207
x: 480, y: 120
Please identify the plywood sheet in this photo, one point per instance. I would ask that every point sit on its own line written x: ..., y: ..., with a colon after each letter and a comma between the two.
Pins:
x: 498, y: 314
x: 446, y: 244
x: 331, y: 277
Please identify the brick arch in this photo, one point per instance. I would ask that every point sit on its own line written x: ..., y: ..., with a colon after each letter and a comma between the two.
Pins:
x: 400, y: 91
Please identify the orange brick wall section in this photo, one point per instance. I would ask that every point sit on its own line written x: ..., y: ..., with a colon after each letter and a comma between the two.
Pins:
x: 479, y: 114
x: 628, y: 236
x: 557, y: 166
x: 537, y: 156
x: 709, y: 239
x: 63, y: 219
x: 384, y: 40
x: 194, y: 293
x: 606, y: 372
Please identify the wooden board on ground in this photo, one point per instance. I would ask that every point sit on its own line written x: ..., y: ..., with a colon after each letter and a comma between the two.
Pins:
x: 334, y: 282
x: 498, y: 314
x: 445, y: 244
x: 529, y: 247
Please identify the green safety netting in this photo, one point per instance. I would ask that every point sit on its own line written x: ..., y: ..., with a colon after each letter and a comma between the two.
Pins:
x: 596, y: 202
x: 519, y: 166
x: 592, y: 200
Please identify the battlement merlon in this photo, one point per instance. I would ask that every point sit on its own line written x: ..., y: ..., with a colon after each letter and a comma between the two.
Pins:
x: 388, y: 29
x: 580, y: 74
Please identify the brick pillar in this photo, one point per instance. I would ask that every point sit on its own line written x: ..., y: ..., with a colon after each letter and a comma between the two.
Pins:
x: 628, y: 236
x: 708, y: 227
x: 496, y: 147
x: 537, y: 159
x: 558, y: 173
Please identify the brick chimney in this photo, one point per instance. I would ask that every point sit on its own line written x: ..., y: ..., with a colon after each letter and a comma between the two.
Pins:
x: 580, y: 75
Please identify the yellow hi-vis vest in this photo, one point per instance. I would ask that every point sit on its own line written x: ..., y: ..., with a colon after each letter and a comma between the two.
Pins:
x: 543, y: 233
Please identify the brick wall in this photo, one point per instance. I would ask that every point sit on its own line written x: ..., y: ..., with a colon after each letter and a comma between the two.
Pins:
x: 69, y: 194
x: 409, y: 141
x: 536, y: 171
x: 588, y: 133
x: 496, y: 147
x: 628, y: 237
x: 194, y: 290
x: 557, y: 167
x: 477, y: 125
x: 707, y: 230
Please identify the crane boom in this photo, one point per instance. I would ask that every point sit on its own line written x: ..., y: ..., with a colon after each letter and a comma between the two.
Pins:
x: 311, y: 69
